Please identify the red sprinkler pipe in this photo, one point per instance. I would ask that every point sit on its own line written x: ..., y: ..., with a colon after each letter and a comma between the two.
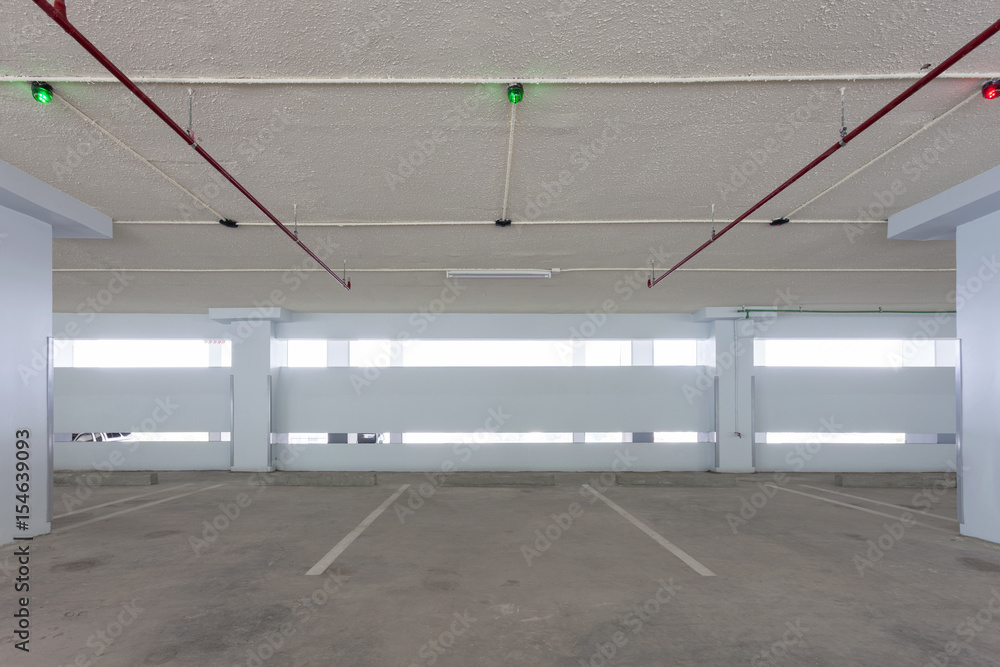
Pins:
x: 58, y: 14
x: 874, y: 118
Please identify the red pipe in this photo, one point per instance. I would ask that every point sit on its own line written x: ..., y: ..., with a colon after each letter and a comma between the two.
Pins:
x: 58, y: 14
x: 874, y: 118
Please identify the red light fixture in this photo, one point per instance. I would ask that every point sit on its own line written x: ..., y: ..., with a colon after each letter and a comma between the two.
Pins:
x: 991, y: 89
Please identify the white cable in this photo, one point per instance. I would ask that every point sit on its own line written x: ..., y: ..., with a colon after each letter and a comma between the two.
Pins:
x: 883, y: 154
x: 131, y: 150
x: 510, y: 158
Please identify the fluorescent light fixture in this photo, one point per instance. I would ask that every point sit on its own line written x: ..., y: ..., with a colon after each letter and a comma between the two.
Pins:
x: 499, y: 273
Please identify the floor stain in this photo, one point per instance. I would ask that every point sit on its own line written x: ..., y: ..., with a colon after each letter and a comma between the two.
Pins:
x: 441, y: 580
x: 980, y: 565
x: 76, y: 565
x: 160, y: 533
x: 160, y: 657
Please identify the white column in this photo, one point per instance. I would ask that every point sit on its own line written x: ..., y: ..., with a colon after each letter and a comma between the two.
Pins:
x: 978, y: 306
x: 32, y: 213
x: 26, y: 293
x: 734, y: 367
x: 256, y: 357
x: 251, y: 370
x: 970, y: 213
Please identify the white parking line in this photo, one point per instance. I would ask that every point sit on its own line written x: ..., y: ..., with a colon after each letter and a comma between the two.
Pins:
x: 664, y: 542
x: 877, y: 502
x: 132, y: 509
x: 327, y: 560
x: 121, y: 500
x: 863, y: 509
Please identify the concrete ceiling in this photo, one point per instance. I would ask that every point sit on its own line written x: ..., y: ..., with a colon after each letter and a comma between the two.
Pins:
x: 387, y: 125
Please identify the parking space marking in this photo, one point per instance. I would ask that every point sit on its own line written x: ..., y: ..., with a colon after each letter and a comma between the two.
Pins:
x: 863, y: 509
x: 662, y: 541
x: 121, y: 500
x: 132, y: 509
x: 327, y: 560
x: 878, y: 502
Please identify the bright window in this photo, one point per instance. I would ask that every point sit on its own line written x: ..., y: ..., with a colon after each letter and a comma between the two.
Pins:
x: 483, y: 437
x: 675, y: 352
x: 876, y: 353
x: 607, y: 353
x: 145, y: 353
x: 150, y: 436
x: 836, y: 438
x: 461, y: 353
x: 308, y: 438
x: 307, y: 353
x: 604, y: 437
x: 539, y: 353
x: 675, y: 436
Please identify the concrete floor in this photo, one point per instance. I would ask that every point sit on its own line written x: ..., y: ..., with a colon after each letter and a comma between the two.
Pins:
x: 799, y: 582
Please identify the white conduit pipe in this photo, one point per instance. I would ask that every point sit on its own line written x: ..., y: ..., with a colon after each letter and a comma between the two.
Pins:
x: 643, y: 269
x: 605, y: 80
x: 510, y: 159
x: 449, y: 223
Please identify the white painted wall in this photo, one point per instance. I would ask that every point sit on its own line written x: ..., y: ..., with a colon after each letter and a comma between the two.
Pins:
x: 92, y: 400
x: 567, y: 399
x: 846, y: 400
x: 854, y: 400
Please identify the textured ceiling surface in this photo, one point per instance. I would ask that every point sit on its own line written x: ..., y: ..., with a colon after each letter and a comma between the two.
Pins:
x: 387, y: 126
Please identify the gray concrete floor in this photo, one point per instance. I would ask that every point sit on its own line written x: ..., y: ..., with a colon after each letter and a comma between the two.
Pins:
x: 797, y: 584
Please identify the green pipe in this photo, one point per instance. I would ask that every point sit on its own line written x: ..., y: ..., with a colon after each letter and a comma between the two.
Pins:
x: 843, y: 312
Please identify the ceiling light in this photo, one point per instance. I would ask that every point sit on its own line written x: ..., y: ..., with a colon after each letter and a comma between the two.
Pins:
x: 499, y: 273
x: 515, y: 93
x: 991, y: 89
x: 41, y: 91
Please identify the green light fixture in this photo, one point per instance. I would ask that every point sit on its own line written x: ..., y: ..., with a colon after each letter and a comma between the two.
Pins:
x: 41, y: 91
x: 515, y: 93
